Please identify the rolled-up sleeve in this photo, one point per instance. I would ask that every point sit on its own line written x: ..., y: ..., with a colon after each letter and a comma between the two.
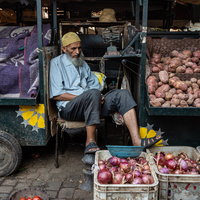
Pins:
x: 55, y: 80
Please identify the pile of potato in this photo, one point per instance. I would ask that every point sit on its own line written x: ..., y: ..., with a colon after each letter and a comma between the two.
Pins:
x: 170, y: 91
x: 179, y: 62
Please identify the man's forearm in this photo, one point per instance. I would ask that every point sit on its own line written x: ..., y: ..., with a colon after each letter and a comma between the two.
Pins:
x: 64, y: 97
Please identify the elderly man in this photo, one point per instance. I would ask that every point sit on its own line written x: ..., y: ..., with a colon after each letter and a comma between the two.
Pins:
x: 76, y: 90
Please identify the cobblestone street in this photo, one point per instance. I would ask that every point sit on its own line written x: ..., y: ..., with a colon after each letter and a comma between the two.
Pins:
x: 60, y: 183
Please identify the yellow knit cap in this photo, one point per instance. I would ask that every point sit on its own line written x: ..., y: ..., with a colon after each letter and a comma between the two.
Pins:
x: 70, y: 38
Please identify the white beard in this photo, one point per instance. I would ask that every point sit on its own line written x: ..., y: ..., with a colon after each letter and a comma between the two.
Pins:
x: 77, y: 62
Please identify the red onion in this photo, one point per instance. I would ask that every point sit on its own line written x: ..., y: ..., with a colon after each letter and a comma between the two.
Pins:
x: 123, y: 160
x: 114, y: 161
x: 169, y: 156
x: 125, y: 166
x: 193, y: 173
x: 177, y: 171
x: 161, y: 160
x: 104, y: 177
x: 162, y: 153
x: 137, y: 173
x: 171, y: 164
x: 159, y: 167
x: 197, y: 168
x: 146, y: 167
x: 183, y: 165
x: 146, y: 171
x: 101, y: 167
x: 182, y: 155
x: 117, y: 178
x: 132, y: 168
x: 142, y: 162
x: 193, y: 169
x: 132, y: 161
x: 176, y: 158
x: 129, y: 177
x: 164, y: 170
x: 101, y: 162
x: 113, y: 169
x: 141, y: 158
x: 147, y: 179
x: 137, y: 180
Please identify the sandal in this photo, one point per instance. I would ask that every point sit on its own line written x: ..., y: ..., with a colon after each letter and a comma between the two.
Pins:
x: 91, y: 145
x: 148, y: 142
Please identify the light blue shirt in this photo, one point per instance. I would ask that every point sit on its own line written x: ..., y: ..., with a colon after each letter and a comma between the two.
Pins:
x: 64, y: 78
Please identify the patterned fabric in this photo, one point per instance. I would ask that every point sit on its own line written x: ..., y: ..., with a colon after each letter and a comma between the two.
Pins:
x: 19, y: 63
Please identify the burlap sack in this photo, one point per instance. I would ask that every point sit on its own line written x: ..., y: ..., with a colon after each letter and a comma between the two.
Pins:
x: 108, y: 15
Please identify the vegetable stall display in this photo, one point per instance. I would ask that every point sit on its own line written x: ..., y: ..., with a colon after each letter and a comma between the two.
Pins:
x: 124, y: 171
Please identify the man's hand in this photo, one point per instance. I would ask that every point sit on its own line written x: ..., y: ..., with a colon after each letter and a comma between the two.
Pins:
x: 102, y: 99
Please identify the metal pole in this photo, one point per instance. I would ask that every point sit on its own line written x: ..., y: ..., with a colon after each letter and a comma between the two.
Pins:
x: 55, y: 40
x: 39, y: 30
x: 142, y: 111
x: 132, y: 6
x: 137, y: 22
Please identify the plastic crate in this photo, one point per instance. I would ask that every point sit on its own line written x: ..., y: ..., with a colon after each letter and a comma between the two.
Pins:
x: 123, y: 191
x: 173, y: 186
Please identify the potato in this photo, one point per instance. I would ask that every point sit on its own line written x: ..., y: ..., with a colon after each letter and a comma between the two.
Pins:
x: 175, y: 53
x: 160, y: 83
x: 166, y: 104
x: 196, y: 53
x: 188, y: 70
x: 188, y: 83
x: 198, y: 105
x: 160, y: 92
x: 155, y: 103
x: 173, y: 80
x: 179, y: 91
x: 171, y: 75
x: 160, y: 66
x: 181, y: 56
x: 161, y: 100
x: 193, y: 80
x: 180, y: 69
x: 155, y: 69
x: 190, y: 90
x: 196, y: 101
x: 155, y: 55
x: 198, y: 82
x: 195, y: 59
x: 172, y: 91
x: 166, y: 60
x: 180, y: 85
x: 163, y: 76
x: 166, y: 68
x: 194, y: 66
x: 194, y: 85
x: 197, y: 70
x: 175, y: 101
x: 183, y: 103
x: 190, y: 99
x: 152, y: 84
x: 175, y: 96
x: 172, y: 105
x: 168, y: 96
x: 152, y: 97
x: 188, y: 53
x: 188, y: 64
x: 183, y: 96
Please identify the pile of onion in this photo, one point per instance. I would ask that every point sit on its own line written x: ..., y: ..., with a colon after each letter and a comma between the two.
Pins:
x: 171, y: 164
x: 124, y: 171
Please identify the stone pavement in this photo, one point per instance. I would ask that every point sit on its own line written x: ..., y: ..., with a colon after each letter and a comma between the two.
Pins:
x: 60, y: 183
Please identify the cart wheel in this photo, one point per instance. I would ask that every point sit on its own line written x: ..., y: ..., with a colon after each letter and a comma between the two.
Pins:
x: 10, y: 154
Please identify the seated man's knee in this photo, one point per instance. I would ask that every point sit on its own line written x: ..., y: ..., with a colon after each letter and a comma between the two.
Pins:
x: 95, y: 94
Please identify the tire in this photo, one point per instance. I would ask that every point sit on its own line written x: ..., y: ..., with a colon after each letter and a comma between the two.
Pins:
x: 10, y: 154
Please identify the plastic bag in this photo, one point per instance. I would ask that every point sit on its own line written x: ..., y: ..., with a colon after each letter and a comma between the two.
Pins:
x: 102, y: 80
